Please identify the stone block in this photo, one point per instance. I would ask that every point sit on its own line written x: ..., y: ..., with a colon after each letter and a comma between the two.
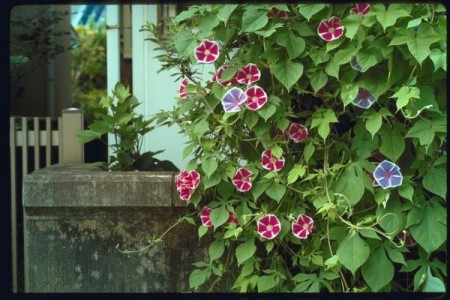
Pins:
x: 78, y: 220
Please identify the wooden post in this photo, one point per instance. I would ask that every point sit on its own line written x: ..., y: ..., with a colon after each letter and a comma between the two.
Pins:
x: 72, y: 149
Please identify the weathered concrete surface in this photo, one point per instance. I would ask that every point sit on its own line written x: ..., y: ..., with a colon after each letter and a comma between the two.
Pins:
x: 78, y: 217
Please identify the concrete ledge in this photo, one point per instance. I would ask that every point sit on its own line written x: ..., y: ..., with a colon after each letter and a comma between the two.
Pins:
x: 86, y: 185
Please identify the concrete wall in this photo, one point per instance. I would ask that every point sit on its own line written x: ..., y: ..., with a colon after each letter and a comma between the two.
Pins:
x: 76, y: 216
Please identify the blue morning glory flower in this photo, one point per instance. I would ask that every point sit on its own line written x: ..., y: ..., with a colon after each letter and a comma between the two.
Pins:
x: 387, y: 174
x: 364, y: 99
x: 232, y: 99
x: 355, y: 66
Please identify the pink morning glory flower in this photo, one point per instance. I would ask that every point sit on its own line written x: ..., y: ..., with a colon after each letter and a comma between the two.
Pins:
x: 207, y: 52
x: 269, y: 226
x: 248, y: 74
x: 182, y: 91
x: 204, y: 216
x: 270, y: 162
x: 275, y: 13
x: 232, y: 99
x: 302, y: 226
x: 185, y: 193
x: 188, y: 179
x: 298, y: 132
x: 232, y: 218
x: 241, y: 180
x: 364, y: 99
x: 361, y: 9
x: 387, y: 174
x: 282, y: 135
x: 331, y: 29
x: 256, y: 98
x: 218, y: 77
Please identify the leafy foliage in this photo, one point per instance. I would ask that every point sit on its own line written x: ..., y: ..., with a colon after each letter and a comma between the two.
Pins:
x: 128, y: 128
x: 89, y: 70
x: 396, y: 52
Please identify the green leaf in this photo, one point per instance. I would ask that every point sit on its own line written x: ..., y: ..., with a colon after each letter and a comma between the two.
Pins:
x: 318, y: 80
x: 309, y: 10
x: 202, y: 230
x: 276, y: 191
x: 185, y: 43
x: 244, y: 251
x: 219, y: 216
x: 353, y: 252
x: 88, y: 135
x: 216, y: 249
x: 433, y: 284
x: 368, y: 233
x: 266, y: 282
x: 294, y: 45
x: 350, y: 185
x: 369, y: 56
x: 209, y: 166
x: 435, y: 180
x: 296, y: 172
x: 373, y: 123
x: 345, y: 55
x: 208, y: 23
x: 332, y: 68
x: 267, y: 111
x: 429, y: 233
x: 351, y: 24
x: 253, y: 19
x: 390, y: 16
x: 378, y: 271
x: 406, y: 191
x: 404, y: 96
x: 225, y: 11
x: 392, y: 143
x: 215, y: 179
x: 287, y: 72
x: 425, y: 129
x: 259, y: 188
x: 349, y: 93
x: 198, y: 277
x: 439, y: 59
x: 308, y: 151
x: 322, y: 119
x: 200, y: 128
x: 420, y: 45
x: 395, y: 255
x: 418, y: 42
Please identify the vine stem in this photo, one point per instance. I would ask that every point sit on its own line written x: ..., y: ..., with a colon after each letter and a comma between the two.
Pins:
x: 160, y: 238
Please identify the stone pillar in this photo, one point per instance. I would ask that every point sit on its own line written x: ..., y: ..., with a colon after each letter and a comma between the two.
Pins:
x: 77, y: 217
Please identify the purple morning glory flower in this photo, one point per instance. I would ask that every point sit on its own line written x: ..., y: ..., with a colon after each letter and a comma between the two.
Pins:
x: 232, y: 99
x: 387, y: 174
x: 364, y: 99
x: 354, y: 64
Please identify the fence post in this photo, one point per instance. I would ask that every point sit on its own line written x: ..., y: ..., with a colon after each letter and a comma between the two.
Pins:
x: 72, y: 149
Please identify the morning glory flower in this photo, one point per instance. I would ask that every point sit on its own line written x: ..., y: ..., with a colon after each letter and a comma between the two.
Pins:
x: 361, y: 9
x: 269, y: 226
x: 387, y: 174
x: 207, y: 52
x: 232, y: 99
x: 364, y: 99
x: 331, y: 29
x: 302, y: 226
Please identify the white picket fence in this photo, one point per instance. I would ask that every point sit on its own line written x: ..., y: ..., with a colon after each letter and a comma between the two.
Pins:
x: 69, y: 151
